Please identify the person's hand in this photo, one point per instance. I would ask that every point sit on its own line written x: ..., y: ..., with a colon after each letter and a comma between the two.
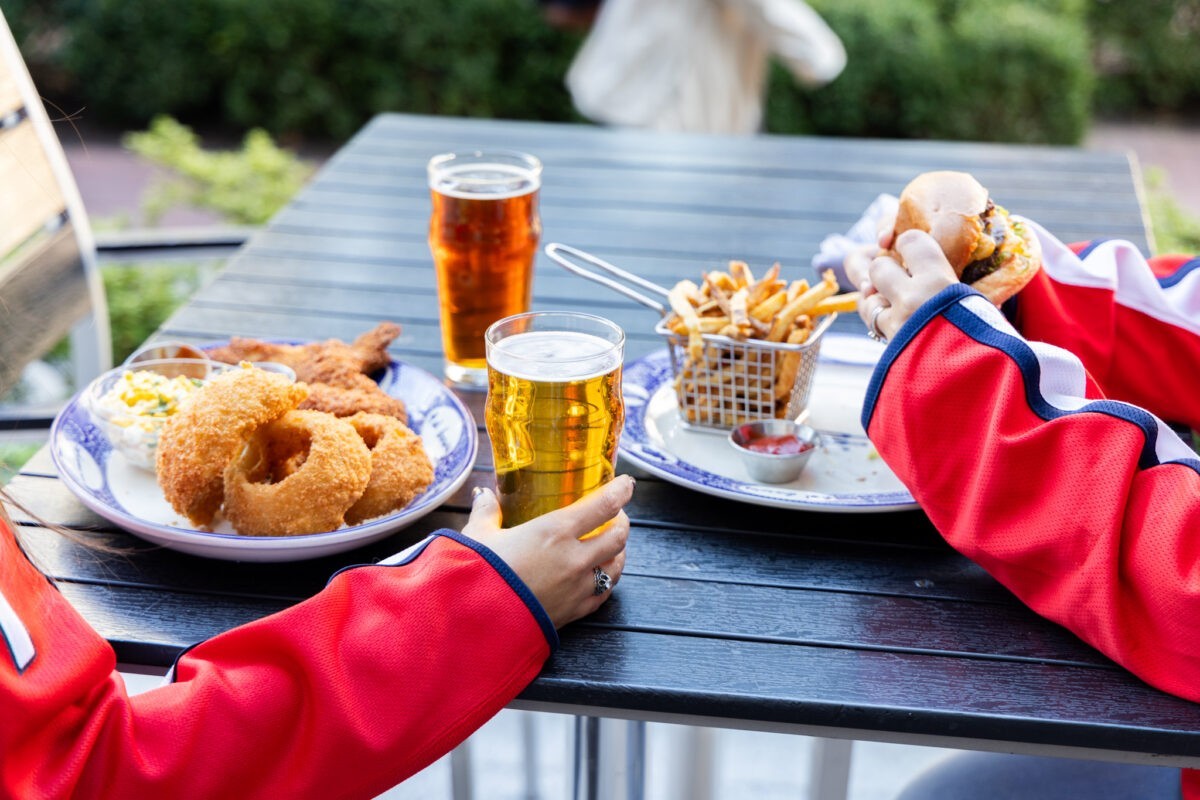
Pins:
x: 858, y: 265
x: 894, y: 289
x: 858, y: 261
x: 547, y: 553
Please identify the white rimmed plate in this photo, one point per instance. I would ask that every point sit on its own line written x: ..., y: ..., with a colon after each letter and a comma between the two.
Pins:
x: 130, y: 497
x: 845, y: 474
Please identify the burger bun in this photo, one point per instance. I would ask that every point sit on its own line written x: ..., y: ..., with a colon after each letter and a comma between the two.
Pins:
x: 997, y: 255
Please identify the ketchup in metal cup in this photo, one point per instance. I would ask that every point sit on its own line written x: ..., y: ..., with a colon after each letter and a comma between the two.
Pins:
x: 787, y: 444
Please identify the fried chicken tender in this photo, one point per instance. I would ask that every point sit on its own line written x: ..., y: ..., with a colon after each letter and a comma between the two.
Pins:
x: 346, y: 402
x: 317, y: 362
x: 400, y: 468
x: 204, y: 436
x: 298, y: 474
x: 337, y: 373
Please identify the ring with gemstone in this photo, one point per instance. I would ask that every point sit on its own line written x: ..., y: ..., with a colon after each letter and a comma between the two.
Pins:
x: 603, y: 581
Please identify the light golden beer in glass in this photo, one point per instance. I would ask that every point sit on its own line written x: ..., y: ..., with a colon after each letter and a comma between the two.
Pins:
x: 483, y: 232
x: 554, y: 409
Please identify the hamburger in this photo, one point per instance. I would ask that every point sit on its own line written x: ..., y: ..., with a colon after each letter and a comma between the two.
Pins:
x: 995, y: 254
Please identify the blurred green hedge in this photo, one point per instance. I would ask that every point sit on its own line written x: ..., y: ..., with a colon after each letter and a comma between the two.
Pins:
x: 961, y: 69
x: 1147, y: 54
x: 319, y: 67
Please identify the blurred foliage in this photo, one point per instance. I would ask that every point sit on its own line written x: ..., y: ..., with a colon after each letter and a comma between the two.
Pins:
x: 319, y: 67
x: 894, y: 49
x: 1012, y: 70
x: 141, y: 297
x: 1033, y: 67
x: 13, y: 456
x: 959, y: 69
x: 247, y: 186
x: 1147, y: 54
x: 1175, y: 229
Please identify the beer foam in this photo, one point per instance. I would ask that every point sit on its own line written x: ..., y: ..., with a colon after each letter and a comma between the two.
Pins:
x: 485, y: 181
x: 556, y: 356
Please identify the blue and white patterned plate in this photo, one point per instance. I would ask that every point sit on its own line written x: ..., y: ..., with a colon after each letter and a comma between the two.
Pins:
x: 844, y: 475
x: 130, y: 497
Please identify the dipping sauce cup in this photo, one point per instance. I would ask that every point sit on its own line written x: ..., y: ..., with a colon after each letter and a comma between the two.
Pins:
x: 774, y: 450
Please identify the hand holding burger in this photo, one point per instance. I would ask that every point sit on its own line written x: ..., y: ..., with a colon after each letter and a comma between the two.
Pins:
x: 893, y: 288
x: 987, y: 249
x: 947, y: 229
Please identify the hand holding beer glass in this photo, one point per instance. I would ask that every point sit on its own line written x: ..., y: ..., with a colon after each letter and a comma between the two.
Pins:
x: 554, y: 408
x: 483, y: 233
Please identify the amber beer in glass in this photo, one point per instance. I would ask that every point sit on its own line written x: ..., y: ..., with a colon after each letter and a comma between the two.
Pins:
x: 554, y: 408
x: 483, y: 232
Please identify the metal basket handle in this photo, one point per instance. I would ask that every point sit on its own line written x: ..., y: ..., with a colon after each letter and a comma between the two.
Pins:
x: 822, y: 327
x: 564, y: 253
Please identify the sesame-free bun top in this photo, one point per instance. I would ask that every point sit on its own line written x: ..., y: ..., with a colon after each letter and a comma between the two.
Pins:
x: 996, y: 255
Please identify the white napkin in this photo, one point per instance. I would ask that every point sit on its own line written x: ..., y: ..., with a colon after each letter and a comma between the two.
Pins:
x: 835, y: 247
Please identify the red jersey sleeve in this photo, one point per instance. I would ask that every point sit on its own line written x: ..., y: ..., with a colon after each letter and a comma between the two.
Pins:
x: 1086, y: 508
x: 345, y: 694
x: 1135, y: 324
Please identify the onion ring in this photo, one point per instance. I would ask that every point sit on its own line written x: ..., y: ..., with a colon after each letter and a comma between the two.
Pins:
x: 263, y: 499
x: 203, y: 437
x: 400, y: 469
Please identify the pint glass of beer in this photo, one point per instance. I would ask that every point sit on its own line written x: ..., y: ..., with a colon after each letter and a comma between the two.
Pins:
x: 483, y: 232
x: 554, y: 408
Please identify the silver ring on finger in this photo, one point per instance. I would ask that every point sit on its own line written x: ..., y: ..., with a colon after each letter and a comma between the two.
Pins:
x: 604, y: 581
x: 873, y: 331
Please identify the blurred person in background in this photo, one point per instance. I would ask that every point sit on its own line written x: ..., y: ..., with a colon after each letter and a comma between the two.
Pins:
x: 697, y: 65
x: 570, y: 15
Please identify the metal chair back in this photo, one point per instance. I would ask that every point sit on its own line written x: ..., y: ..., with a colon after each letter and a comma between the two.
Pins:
x: 50, y: 285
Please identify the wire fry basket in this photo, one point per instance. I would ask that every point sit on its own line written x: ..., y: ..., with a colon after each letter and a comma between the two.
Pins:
x: 720, y: 382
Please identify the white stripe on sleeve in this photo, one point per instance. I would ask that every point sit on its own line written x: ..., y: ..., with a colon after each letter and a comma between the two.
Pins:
x: 16, y: 636
x: 1118, y: 266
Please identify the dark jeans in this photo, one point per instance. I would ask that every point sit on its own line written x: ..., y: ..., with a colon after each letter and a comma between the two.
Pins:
x: 994, y: 776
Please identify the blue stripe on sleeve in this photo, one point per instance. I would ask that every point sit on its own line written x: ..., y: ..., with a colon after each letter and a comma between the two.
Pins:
x: 947, y: 304
x: 932, y: 308
x: 410, y: 554
x: 1089, y: 247
x: 1031, y: 373
x: 1179, y: 274
x: 518, y: 585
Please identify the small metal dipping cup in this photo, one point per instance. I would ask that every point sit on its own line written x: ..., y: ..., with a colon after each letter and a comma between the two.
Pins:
x: 770, y: 467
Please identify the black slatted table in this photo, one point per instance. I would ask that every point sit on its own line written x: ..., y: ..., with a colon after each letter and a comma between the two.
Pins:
x: 845, y: 625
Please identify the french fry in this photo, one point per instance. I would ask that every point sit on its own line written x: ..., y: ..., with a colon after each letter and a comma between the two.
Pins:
x: 721, y: 280
x: 707, y: 325
x: 740, y: 272
x: 765, y: 286
x: 760, y: 327
x: 766, y: 310
x: 840, y: 303
x: 790, y: 365
x: 801, y: 305
x: 738, y: 308
x: 721, y: 298
x: 725, y: 384
x: 680, y: 298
